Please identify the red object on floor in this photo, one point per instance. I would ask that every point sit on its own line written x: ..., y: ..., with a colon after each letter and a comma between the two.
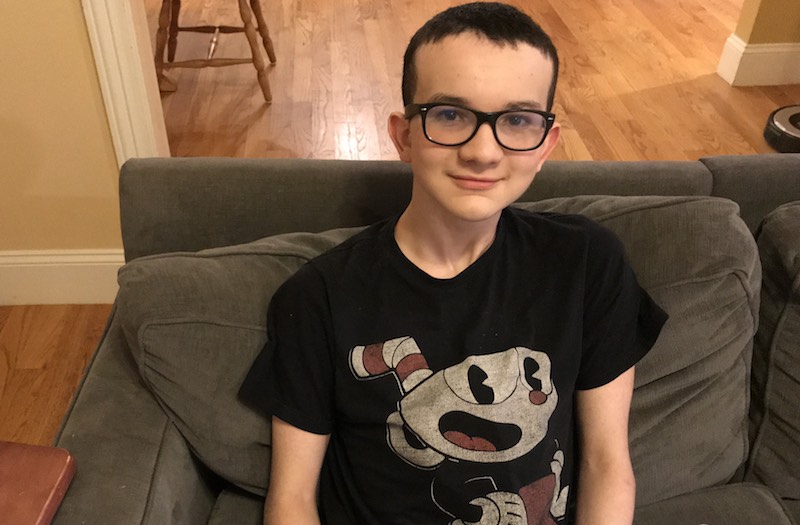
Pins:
x: 33, y: 481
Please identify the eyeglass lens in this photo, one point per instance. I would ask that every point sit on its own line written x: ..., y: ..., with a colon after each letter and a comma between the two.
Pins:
x: 452, y: 125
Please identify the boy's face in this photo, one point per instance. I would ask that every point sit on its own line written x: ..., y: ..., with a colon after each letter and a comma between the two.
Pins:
x: 474, y: 181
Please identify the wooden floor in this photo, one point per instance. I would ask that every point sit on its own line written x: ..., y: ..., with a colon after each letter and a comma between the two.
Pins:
x: 638, y: 81
x: 43, y: 352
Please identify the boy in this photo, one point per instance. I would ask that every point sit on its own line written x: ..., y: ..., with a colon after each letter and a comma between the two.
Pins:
x: 434, y: 368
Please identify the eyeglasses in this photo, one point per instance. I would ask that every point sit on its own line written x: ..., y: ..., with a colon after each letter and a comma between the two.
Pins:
x: 454, y: 125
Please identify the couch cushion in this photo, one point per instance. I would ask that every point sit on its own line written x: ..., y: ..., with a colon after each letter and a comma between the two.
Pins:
x: 195, y: 322
x: 793, y: 506
x: 736, y: 504
x: 695, y: 256
x: 182, y: 311
x: 235, y: 507
x: 775, y: 459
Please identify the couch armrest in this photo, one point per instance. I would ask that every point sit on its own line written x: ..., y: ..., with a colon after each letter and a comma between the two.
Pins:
x: 775, y: 420
x: 132, y: 464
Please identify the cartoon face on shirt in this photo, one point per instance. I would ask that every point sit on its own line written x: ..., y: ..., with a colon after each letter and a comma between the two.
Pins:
x: 486, y: 409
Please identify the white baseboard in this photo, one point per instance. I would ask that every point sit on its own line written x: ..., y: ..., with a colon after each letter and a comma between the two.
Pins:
x: 743, y: 64
x: 59, y: 276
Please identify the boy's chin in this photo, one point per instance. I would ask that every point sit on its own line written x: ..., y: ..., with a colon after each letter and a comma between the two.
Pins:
x: 476, y: 209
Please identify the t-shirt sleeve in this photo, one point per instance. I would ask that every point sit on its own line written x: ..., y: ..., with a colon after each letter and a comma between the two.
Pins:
x: 292, y: 378
x: 621, y: 321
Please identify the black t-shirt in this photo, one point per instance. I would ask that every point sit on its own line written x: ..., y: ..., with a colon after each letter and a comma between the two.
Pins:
x: 450, y: 398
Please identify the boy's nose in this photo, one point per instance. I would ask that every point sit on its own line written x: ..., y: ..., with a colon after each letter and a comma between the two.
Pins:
x: 483, y: 147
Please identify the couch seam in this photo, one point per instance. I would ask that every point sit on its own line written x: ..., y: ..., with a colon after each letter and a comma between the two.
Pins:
x: 648, y: 202
x: 148, y: 506
x: 146, y: 365
x: 275, y: 252
x: 794, y: 287
x: 674, y: 201
x: 767, y: 387
x: 199, y: 320
x: 713, y: 175
x: 705, y: 278
x: 142, y: 338
x: 754, y: 323
x: 201, y: 255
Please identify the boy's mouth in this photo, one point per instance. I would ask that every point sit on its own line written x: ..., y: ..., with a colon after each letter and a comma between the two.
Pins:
x: 474, y: 183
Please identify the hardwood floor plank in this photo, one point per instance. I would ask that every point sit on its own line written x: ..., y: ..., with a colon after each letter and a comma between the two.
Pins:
x: 43, y: 353
x: 36, y: 330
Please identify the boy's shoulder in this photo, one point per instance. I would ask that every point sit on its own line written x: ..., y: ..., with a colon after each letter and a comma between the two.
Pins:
x: 556, y: 229
x: 363, y: 245
x: 369, y: 238
x: 554, y: 221
x: 316, y: 273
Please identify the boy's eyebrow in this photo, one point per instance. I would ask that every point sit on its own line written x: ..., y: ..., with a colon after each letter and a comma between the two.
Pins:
x: 442, y: 98
x: 526, y: 104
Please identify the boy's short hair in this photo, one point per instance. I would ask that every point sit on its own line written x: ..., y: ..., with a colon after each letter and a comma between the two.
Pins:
x: 499, y: 23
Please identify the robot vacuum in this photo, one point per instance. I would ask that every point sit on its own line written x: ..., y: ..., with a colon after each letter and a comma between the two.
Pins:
x: 783, y: 129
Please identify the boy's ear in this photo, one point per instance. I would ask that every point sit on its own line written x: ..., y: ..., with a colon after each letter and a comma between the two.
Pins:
x: 550, y: 143
x: 399, y: 131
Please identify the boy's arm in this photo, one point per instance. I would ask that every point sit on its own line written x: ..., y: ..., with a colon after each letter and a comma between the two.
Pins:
x: 297, y: 458
x: 607, y: 491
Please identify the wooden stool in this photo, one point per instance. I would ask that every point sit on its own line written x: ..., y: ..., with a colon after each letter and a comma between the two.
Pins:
x: 167, y: 36
x: 33, y: 481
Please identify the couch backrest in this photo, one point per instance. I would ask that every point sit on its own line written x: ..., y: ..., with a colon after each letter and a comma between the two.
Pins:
x: 188, y: 204
x: 758, y: 183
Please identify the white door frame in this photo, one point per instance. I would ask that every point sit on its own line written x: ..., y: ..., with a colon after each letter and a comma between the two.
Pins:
x: 123, y: 57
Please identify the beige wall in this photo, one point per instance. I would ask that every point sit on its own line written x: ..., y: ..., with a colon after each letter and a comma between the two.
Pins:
x: 58, y: 187
x: 769, y: 21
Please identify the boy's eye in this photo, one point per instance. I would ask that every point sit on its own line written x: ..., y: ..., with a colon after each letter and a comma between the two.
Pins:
x: 448, y: 114
x: 518, y: 119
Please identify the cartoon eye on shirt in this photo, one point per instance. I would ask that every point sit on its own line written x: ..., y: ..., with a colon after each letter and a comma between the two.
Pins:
x: 492, y: 379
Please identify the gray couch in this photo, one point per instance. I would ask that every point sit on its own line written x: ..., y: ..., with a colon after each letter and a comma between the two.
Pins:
x: 160, y: 437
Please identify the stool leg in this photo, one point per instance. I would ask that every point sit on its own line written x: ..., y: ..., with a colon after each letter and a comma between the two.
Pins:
x: 173, y: 30
x: 263, y: 29
x: 161, y: 38
x: 252, y: 39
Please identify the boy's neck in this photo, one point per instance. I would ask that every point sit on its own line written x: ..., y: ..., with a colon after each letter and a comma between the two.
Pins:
x: 440, y: 247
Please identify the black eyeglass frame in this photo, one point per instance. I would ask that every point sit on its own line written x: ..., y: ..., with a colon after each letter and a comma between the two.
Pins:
x: 412, y: 110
